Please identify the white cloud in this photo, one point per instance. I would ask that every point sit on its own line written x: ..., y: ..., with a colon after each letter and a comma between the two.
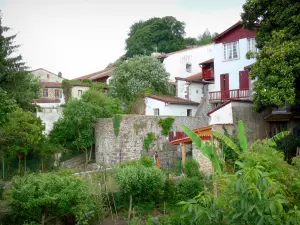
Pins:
x: 78, y: 37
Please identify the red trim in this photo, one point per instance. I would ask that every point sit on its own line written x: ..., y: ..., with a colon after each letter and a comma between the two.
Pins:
x: 234, y: 33
x: 93, y: 74
x: 219, y: 107
x: 210, y: 61
x: 159, y: 99
x: 229, y: 94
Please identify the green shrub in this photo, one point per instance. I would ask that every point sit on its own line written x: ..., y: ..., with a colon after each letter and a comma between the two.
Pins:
x: 288, y: 145
x: 148, y: 140
x: 146, y: 161
x: 192, y: 168
x: 166, y: 125
x: 187, y: 188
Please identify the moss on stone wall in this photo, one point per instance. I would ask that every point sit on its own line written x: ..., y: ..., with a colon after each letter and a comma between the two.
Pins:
x: 166, y: 125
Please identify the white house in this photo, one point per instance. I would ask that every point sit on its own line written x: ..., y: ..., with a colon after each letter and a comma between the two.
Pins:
x: 51, y: 97
x: 163, y: 105
x: 185, y: 63
x: 231, y: 78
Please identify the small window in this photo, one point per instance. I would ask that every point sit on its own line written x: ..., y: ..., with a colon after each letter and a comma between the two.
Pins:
x: 197, y: 91
x: 156, y: 112
x: 79, y: 93
x: 231, y: 50
x: 251, y: 44
x: 189, y: 112
x: 188, y: 67
x: 45, y: 92
x: 57, y: 93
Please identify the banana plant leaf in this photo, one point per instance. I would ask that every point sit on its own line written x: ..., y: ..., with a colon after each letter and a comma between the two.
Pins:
x: 242, y: 136
x: 227, y: 141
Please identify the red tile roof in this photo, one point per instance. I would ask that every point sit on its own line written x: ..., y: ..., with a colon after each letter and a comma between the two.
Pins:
x: 207, y: 62
x: 172, y: 100
x: 46, y: 100
x: 93, y: 74
x: 51, y: 84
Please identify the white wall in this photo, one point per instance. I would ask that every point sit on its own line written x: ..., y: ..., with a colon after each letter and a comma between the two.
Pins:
x: 222, y: 115
x: 167, y: 109
x: 75, y: 90
x: 49, y: 116
x: 175, y: 64
x: 42, y: 75
x: 196, y: 92
x: 232, y: 67
x: 181, y: 88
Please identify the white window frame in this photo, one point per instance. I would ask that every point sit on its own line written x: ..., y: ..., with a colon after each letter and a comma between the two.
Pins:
x: 156, y: 112
x: 251, y: 44
x: 79, y: 93
x: 228, y: 50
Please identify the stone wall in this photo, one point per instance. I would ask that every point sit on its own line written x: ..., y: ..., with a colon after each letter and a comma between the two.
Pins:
x: 129, y: 144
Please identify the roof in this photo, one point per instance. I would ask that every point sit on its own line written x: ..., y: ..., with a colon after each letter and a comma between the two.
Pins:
x: 94, y: 74
x: 81, y: 85
x: 172, y: 100
x: 282, y: 116
x: 51, y: 84
x: 226, y: 103
x: 46, y: 71
x: 238, y: 24
x: 207, y: 61
x: 46, y: 100
x: 183, y: 50
x: 196, y: 78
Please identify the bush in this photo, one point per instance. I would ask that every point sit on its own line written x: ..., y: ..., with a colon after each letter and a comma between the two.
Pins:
x: 288, y: 145
x: 50, y: 195
x: 187, y: 188
x: 192, y: 169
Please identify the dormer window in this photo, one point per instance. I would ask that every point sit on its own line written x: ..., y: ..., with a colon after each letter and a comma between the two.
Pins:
x: 231, y: 50
x: 188, y: 67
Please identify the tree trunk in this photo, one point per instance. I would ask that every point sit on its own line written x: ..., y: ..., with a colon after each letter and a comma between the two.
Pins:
x: 43, y: 216
x: 25, y: 163
x: 3, y: 168
x: 130, y: 207
x: 19, y: 164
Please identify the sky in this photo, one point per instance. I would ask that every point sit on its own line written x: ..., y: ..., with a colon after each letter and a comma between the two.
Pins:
x: 78, y: 37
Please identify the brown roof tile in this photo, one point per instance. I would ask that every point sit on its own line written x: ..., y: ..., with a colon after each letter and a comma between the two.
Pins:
x: 51, y: 84
x: 172, y: 100
x: 93, y: 74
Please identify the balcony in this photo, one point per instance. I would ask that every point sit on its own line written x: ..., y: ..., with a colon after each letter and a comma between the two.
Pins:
x: 229, y: 94
x: 207, y: 74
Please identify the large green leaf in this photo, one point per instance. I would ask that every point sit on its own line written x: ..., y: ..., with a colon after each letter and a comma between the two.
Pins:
x: 227, y: 141
x: 277, y: 137
x: 242, y: 136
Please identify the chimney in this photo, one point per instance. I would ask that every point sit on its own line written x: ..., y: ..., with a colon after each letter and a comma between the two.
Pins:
x: 59, y: 74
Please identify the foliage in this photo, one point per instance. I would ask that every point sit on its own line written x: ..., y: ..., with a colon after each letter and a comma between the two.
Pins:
x: 117, y: 122
x: 148, y: 140
x: 7, y: 105
x: 288, y: 145
x: 242, y: 136
x: 207, y: 149
x: 18, y: 83
x: 76, y: 128
x: 277, y: 68
x: 192, y: 168
x: 166, y: 125
x: 49, y: 196
x: 67, y: 86
x: 156, y: 34
x: 187, y: 188
x: 136, y: 77
x: 144, y: 183
x: 203, y: 39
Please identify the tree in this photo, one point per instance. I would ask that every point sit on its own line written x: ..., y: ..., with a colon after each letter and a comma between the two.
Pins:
x: 138, y: 75
x: 23, y: 132
x: 156, y: 34
x: 14, y: 79
x: 206, y: 37
x: 76, y: 128
x: 43, y: 198
x: 278, y: 61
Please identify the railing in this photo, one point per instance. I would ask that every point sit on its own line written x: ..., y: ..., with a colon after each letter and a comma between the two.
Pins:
x: 208, y: 75
x: 176, y: 135
x: 229, y: 94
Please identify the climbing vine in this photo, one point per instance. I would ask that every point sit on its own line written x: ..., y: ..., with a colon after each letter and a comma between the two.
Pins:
x: 67, y: 86
x: 148, y: 140
x: 117, y: 121
x: 166, y: 125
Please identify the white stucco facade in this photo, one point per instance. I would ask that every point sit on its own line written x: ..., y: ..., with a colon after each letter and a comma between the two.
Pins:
x: 167, y: 109
x: 232, y: 67
x: 77, y: 91
x: 190, y: 91
x: 46, y: 76
x: 175, y: 63
x: 222, y: 115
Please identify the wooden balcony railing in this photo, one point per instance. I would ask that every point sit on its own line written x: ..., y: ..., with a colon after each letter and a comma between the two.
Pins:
x: 176, y: 135
x: 208, y: 75
x: 229, y: 94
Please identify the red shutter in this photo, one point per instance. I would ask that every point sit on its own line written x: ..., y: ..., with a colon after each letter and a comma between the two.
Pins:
x: 244, y: 79
x: 224, y: 82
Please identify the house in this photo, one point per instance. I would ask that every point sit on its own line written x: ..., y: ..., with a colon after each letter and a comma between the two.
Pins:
x: 51, y: 97
x: 185, y: 63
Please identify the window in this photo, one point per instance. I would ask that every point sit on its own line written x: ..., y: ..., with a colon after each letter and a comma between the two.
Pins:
x: 57, y: 93
x: 45, y: 92
x: 79, y: 93
x: 189, y: 112
x: 156, y: 112
x: 231, y: 50
x: 188, y: 68
x: 251, y: 44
